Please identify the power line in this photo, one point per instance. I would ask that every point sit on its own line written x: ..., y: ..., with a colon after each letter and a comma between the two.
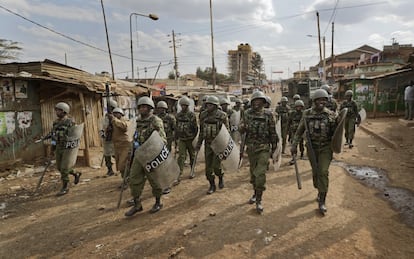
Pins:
x: 69, y: 37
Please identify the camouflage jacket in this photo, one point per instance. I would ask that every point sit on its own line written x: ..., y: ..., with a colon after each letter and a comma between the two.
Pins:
x: 331, y: 104
x: 260, y: 130
x: 210, y: 125
x: 186, y: 125
x: 352, y: 109
x: 146, y: 126
x: 293, y: 122
x: 282, y: 113
x: 169, y: 124
x: 60, y: 130
x: 120, y: 130
x: 321, y: 125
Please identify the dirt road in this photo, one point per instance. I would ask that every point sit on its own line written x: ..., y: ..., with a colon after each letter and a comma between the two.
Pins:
x: 86, y: 224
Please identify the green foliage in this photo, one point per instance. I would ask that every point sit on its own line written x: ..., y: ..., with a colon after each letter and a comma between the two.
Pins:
x: 9, y: 50
x: 171, y: 75
x: 207, y: 74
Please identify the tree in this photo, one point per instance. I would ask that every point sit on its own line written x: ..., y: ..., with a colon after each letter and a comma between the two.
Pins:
x: 9, y: 50
x: 257, y: 66
x: 207, y: 74
x: 171, y: 75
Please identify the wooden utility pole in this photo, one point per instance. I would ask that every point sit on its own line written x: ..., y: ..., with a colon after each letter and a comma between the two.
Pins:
x: 332, y: 54
x: 107, y: 41
x: 319, y: 37
x: 213, y: 72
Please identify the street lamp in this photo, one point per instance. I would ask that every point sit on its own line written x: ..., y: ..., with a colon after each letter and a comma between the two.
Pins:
x: 153, y: 17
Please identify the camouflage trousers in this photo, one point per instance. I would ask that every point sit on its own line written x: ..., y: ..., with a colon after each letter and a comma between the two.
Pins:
x: 183, y: 147
x: 284, y: 133
x: 349, y: 128
x: 320, y: 175
x: 61, y: 160
x: 137, y: 178
x: 259, y: 163
x: 213, y: 163
x: 122, y: 154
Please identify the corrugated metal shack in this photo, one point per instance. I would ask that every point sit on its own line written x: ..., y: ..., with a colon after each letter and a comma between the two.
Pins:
x: 28, y: 94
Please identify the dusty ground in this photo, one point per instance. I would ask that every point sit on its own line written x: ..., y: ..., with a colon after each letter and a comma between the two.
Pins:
x: 85, y: 223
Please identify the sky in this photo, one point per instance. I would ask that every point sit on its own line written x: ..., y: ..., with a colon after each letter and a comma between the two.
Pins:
x: 73, y: 32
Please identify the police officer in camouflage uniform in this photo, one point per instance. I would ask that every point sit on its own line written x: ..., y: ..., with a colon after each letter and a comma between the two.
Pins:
x: 282, y: 114
x: 106, y: 134
x: 186, y: 131
x: 211, y: 121
x: 147, y: 122
x: 293, y: 104
x: 259, y: 127
x: 59, y: 136
x: 294, y: 118
x: 320, y: 122
x: 331, y: 104
x: 168, y: 120
x: 352, y: 117
x: 225, y: 107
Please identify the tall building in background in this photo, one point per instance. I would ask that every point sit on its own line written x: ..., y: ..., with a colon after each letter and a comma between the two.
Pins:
x: 240, y: 63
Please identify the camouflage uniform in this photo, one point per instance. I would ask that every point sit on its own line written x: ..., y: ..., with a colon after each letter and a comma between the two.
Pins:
x: 320, y: 122
x: 138, y: 174
x: 282, y: 114
x: 169, y: 126
x: 261, y: 139
x: 186, y: 131
x: 122, y: 143
x: 331, y: 104
x: 293, y: 124
x: 210, y: 125
x: 352, y: 118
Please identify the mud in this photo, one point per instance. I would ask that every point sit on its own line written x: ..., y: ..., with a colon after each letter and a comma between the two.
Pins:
x: 401, y: 199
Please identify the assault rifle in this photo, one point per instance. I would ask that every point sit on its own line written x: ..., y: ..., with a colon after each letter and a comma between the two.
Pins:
x: 242, y: 145
x: 127, y: 170
x: 298, y: 180
x: 311, y: 152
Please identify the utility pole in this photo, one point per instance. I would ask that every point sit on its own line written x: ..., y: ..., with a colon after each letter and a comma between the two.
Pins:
x: 332, y: 54
x: 319, y: 37
x: 212, y: 47
x: 174, y: 47
x: 107, y: 41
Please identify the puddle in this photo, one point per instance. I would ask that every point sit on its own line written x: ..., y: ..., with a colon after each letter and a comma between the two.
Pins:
x: 401, y: 199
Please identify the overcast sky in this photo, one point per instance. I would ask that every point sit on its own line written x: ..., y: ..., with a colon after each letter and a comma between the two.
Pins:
x: 275, y: 29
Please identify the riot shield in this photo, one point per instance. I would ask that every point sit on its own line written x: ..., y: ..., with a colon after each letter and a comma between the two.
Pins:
x: 338, y: 136
x: 234, y: 122
x: 277, y: 155
x: 200, y: 157
x: 70, y: 152
x: 155, y: 157
x: 226, y: 149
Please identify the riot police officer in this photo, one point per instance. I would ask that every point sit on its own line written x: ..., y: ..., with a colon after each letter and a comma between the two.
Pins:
x: 293, y: 124
x: 282, y: 114
x: 319, y: 123
x: 331, y: 104
x: 352, y: 117
x: 261, y: 139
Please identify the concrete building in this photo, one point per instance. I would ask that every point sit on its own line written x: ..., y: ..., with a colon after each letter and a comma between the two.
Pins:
x: 240, y: 63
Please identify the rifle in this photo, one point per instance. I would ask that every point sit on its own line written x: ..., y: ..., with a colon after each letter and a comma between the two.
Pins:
x: 311, y: 152
x: 127, y: 170
x: 192, y: 172
x: 298, y: 180
x: 108, y: 130
x: 242, y: 144
x: 49, y: 162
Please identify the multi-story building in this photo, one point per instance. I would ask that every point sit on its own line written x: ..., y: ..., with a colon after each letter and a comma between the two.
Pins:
x: 240, y: 63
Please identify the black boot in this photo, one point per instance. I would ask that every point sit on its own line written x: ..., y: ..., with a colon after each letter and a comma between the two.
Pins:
x: 108, y: 163
x: 346, y: 142
x: 212, y: 187
x: 136, y: 208
x: 166, y: 190
x: 321, y: 203
x: 77, y: 177
x: 64, y: 190
x: 350, y: 144
x: 252, y: 200
x: 221, y: 182
x: 259, y: 207
x: 157, y: 206
x: 301, y: 155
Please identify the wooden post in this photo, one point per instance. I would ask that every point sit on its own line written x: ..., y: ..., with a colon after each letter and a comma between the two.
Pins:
x: 86, y: 131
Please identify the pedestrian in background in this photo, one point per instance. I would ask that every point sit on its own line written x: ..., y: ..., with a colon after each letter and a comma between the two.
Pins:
x: 409, y: 101
x: 352, y: 117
